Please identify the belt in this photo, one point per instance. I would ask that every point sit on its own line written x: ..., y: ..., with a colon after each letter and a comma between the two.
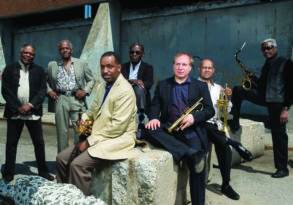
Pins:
x: 66, y: 93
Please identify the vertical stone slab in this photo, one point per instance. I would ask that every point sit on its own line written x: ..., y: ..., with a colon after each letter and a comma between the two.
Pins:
x: 2, y: 62
x: 101, y: 37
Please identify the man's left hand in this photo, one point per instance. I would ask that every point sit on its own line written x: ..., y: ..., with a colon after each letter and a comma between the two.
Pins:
x: 187, y: 122
x: 25, y: 108
x: 284, y: 116
x: 83, y: 146
x: 80, y: 94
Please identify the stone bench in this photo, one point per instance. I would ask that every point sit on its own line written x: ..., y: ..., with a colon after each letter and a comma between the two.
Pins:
x: 152, y: 178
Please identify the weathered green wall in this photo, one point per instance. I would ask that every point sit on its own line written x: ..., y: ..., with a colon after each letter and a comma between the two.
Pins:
x: 209, y: 32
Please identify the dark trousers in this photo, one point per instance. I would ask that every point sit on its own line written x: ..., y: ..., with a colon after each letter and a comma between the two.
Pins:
x: 223, y: 151
x: 14, y: 129
x: 278, y: 130
x: 239, y: 94
x: 140, y: 95
x: 189, y: 150
x: 279, y: 136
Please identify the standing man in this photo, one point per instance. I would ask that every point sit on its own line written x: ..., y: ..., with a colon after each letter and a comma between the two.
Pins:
x: 190, y: 143
x: 24, y: 89
x: 113, y: 131
x: 70, y: 80
x: 213, y: 126
x: 274, y: 90
x: 140, y: 76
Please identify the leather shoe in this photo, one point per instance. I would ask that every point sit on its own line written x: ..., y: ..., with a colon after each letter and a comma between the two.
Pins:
x: 230, y: 193
x: 7, y: 177
x: 280, y: 173
x: 47, y: 176
x: 245, y: 153
x: 290, y: 162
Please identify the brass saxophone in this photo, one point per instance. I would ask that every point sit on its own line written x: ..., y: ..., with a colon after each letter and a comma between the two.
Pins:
x: 248, y: 80
x: 222, y: 105
x: 84, y: 128
x: 196, y: 106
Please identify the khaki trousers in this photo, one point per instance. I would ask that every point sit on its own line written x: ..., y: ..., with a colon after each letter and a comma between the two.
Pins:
x: 79, y: 172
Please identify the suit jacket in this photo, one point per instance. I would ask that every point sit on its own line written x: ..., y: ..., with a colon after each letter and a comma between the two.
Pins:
x: 145, y: 74
x: 83, y: 76
x: 10, y: 84
x: 197, y: 89
x: 114, y: 129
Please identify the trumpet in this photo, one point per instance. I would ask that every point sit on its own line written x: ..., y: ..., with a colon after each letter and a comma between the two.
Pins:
x: 196, y: 106
x: 222, y: 105
x: 248, y: 80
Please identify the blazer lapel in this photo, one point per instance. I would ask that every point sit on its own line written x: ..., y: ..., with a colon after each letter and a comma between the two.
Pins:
x: 192, y: 93
x: 140, y: 70
x: 167, y: 90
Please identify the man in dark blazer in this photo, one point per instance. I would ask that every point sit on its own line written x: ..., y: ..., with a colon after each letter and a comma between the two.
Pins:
x: 24, y: 89
x: 140, y: 75
x: 189, y: 143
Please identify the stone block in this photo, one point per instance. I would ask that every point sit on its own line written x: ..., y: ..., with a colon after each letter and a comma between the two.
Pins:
x: 151, y: 178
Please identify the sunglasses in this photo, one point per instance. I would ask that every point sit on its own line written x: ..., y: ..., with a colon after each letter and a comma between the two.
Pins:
x: 135, y: 52
x: 267, y: 48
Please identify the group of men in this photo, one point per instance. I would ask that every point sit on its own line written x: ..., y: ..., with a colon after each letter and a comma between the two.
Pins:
x: 122, y: 96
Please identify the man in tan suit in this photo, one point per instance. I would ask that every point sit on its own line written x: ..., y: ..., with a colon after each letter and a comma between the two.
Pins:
x: 114, y: 128
x: 69, y: 82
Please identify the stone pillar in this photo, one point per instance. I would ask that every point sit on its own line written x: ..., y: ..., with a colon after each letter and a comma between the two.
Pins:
x: 2, y: 62
x: 103, y: 36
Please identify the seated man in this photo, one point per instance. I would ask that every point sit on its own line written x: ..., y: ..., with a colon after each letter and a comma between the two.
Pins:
x: 189, y: 143
x: 113, y: 131
x: 214, y: 127
x: 140, y: 75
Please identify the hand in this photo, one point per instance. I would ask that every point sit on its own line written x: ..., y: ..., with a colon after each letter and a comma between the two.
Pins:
x: 284, y: 116
x: 80, y: 94
x: 137, y: 82
x: 228, y: 91
x: 83, y: 146
x: 153, y: 124
x: 140, y: 83
x: 23, y: 109
x: 53, y: 95
x: 187, y: 122
x: 27, y: 107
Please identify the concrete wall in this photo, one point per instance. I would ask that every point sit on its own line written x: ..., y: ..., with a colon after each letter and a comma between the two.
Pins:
x: 210, y: 32
x: 45, y: 38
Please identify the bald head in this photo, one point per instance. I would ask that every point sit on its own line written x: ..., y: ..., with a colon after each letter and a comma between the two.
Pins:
x: 206, y: 69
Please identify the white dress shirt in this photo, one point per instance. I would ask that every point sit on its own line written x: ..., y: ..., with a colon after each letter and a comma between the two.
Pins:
x: 23, y: 92
x: 133, y: 71
x: 215, y: 90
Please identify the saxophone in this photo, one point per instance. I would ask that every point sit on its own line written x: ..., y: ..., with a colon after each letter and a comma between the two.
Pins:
x: 248, y: 80
x: 196, y: 106
x: 84, y: 128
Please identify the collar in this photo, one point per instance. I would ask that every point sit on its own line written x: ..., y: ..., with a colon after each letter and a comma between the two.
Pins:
x: 212, y: 83
x: 61, y: 62
x: 187, y: 81
x: 22, y: 66
x: 137, y: 65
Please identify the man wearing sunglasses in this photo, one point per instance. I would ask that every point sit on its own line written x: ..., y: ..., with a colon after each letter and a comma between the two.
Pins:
x: 273, y: 91
x: 140, y: 76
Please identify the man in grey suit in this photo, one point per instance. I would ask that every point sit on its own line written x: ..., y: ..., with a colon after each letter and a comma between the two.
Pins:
x: 70, y: 80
